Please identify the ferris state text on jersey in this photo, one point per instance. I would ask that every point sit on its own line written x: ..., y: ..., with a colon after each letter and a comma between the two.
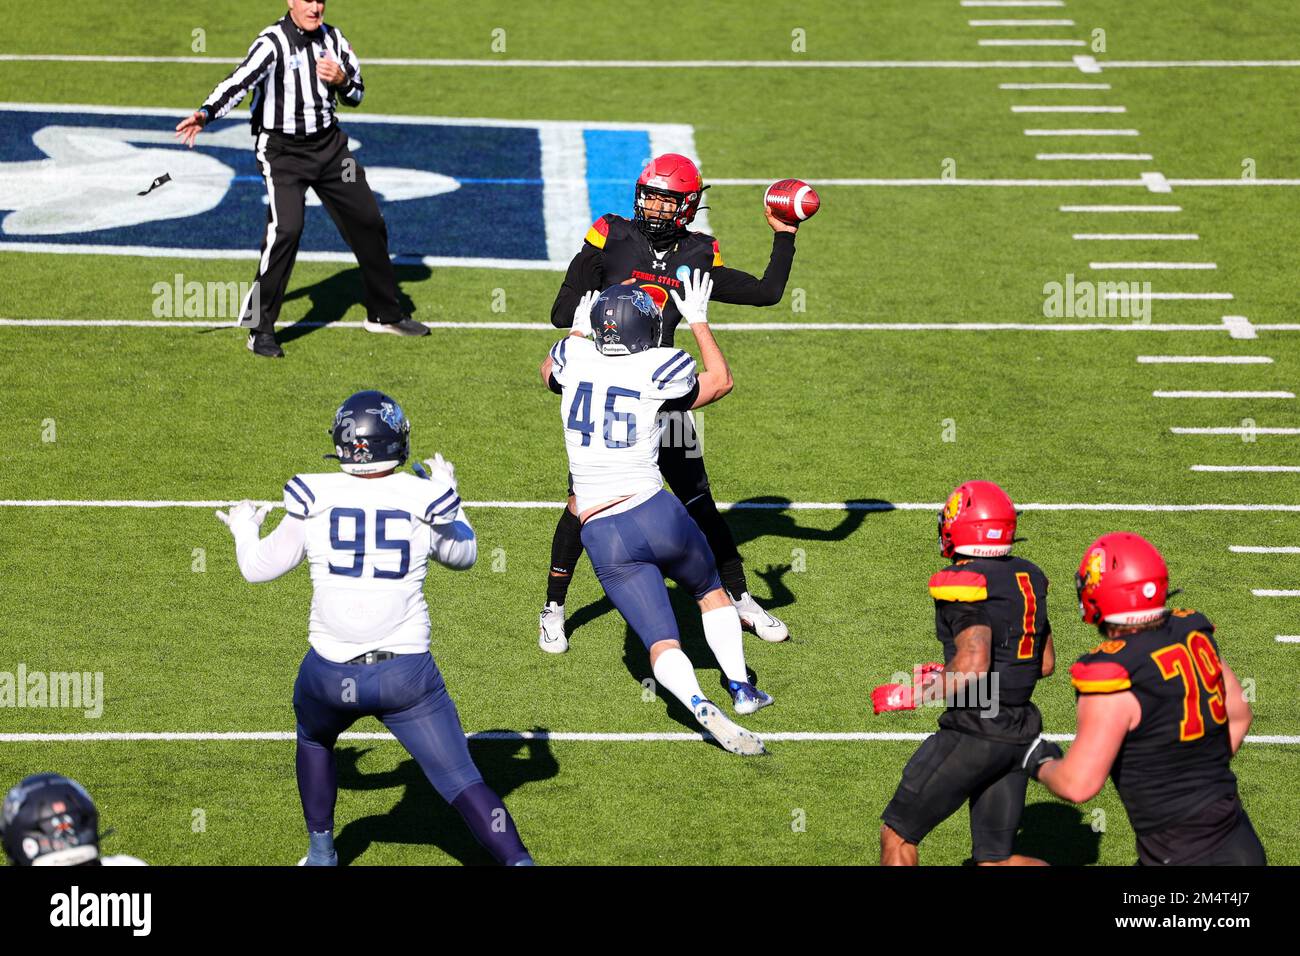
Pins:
x: 629, y: 253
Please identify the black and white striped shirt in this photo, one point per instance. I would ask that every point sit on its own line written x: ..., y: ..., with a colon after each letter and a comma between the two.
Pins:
x: 280, y: 68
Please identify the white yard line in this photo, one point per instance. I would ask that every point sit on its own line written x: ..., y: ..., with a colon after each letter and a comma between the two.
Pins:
x: 1288, y: 638
x: 1012, y: 3
x: 1254, y: 549
x: 1020, y: 23
x: 789, y: 64
x: 870, y: 506
x: 1069, y: 109
x: 1093, y: 157
x: 181, y: 324
x: 1167, y: 296
x: 1257, y: 469
x: 1136, y: 236
x: 1213, y: 394
x: 1035, y: 42
x: 1053, y: 86
x: 1144, y: 266
x: 1204, y: 360
x: 1121, y: 208
x: 1235, y: 430
x: 1081, y: 132
x: 284, y: 736
x: 1271, y: 592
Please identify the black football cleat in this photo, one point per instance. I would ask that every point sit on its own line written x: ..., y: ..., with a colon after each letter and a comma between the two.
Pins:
x: 403, y: 326
x: 264, y: 344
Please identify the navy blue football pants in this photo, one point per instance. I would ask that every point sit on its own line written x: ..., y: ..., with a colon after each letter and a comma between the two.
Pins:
x: 634, y: 551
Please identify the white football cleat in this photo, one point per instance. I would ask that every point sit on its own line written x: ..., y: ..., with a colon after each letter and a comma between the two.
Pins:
x: 550, y: 630
x: 726, y: 732
x: 764, y: 625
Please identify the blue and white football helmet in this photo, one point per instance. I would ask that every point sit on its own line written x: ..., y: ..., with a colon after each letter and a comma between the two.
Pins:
x: 625, y: 320
x: 371, y: 434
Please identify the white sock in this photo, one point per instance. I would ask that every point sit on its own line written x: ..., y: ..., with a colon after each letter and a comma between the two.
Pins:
x: 673, y: 670
x: 722, y: 631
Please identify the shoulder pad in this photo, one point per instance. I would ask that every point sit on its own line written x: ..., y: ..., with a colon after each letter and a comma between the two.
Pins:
x: 599, y: 232
x: 298, y: 497
x: 717, y: 255
x: 1099, y: 677
x: 952, y: 585
x: 1195, y: 619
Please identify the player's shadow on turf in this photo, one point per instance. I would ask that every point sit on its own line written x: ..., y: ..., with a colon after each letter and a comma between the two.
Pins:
x: 1058, y: 833
x: 331, y: 298
x: 421, y: 816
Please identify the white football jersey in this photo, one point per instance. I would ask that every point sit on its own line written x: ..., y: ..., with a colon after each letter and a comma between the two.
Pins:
x: 368, y: 542
x: 610, y: 407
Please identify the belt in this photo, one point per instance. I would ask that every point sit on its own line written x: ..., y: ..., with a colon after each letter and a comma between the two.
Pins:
x: 372, y: 657
x: 305, y: 137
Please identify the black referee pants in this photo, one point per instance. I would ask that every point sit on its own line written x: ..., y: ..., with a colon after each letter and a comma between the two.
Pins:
x: 322, y: 162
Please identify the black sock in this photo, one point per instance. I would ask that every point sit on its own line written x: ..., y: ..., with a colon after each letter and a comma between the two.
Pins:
x: 723, y: 545
x: 566, y: 549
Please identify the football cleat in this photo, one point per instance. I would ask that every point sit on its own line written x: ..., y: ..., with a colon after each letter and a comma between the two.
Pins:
x: 730, y: 735
x: 321, y: 851
x: 264, y: 344
x: 764, y: 625
x: 550, y: 631
x: 746, y: 698
x: 403, y: 326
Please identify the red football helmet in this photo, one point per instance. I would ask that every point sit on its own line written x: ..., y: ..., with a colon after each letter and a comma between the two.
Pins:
x: 978, y: 520
x: 1122, y: 579
x: 670, y: 177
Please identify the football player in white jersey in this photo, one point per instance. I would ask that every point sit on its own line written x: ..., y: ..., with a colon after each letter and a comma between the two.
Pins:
x: 49, y: 820
x: 617, y: 387
x: 368, y: 532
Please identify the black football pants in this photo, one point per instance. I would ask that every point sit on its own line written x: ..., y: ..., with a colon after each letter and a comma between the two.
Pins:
x: 322, y: 162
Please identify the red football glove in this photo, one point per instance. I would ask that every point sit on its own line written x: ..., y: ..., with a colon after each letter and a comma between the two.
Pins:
x: 901, y: 696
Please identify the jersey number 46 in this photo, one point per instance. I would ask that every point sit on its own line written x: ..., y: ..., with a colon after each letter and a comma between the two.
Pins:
x: 580, y: 415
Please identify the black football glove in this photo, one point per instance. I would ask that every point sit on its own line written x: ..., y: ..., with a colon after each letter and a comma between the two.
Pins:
x: 1039, y: 752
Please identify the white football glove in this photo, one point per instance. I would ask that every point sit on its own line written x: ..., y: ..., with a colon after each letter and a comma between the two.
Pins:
x: 437, y: 468
x: 694, y: 304
x: 243, y: 513
x: 582, y: 314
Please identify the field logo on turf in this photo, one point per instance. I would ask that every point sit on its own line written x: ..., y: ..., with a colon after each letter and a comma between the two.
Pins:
x: 1088, y: 299
x: 77, y: 690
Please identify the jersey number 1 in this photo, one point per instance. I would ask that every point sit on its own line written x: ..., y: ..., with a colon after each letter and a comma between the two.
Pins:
x: 1025, y: 650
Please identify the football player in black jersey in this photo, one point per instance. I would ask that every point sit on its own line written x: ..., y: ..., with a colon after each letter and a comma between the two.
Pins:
x: 656, y: 251
x: 991, y: 616
x: 1159, y: 711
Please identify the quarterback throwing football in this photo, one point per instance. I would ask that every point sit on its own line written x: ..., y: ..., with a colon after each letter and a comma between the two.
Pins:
x: 614, y: 388
x: 368, y: 532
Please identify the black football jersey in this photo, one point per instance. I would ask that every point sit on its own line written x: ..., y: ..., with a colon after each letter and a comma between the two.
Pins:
x: 1176, y: 760
x: 1009, y: 595
x: 615, y: 250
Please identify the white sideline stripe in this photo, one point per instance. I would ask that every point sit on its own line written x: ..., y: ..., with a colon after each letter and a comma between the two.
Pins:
x: 1094, y: 157
x: 1020, y: 23
x: 276, y: 736
x: 724, y: 326
x: 1235, y: 430
x: 1053, y: 86
x: 737, y: 506
x: 1137, y: 236
x: 1204, y: 360
x: 1288, y: 638
x: 1269, y: 592
x: 1153, y: 265
x: 1167, y: 296
x: 1013, y: 3
x: 157, y: 252
x: 1069, y: 109
x: 1253, y: 549
x: 1259, y: 469
x: 1154, y: 182
x: 1120, y: 208
x: 1186, y: 394
x: 1032, y: 43
x: 1081, y: 132
x: 792, y: 64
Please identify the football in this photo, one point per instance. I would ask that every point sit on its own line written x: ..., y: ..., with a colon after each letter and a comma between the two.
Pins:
x: 792, y: 201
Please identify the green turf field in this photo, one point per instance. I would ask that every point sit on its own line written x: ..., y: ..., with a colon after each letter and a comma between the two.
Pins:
x: 152, y: 599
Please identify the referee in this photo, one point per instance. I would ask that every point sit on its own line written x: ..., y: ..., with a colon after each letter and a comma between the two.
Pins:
x: 297, y: 68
